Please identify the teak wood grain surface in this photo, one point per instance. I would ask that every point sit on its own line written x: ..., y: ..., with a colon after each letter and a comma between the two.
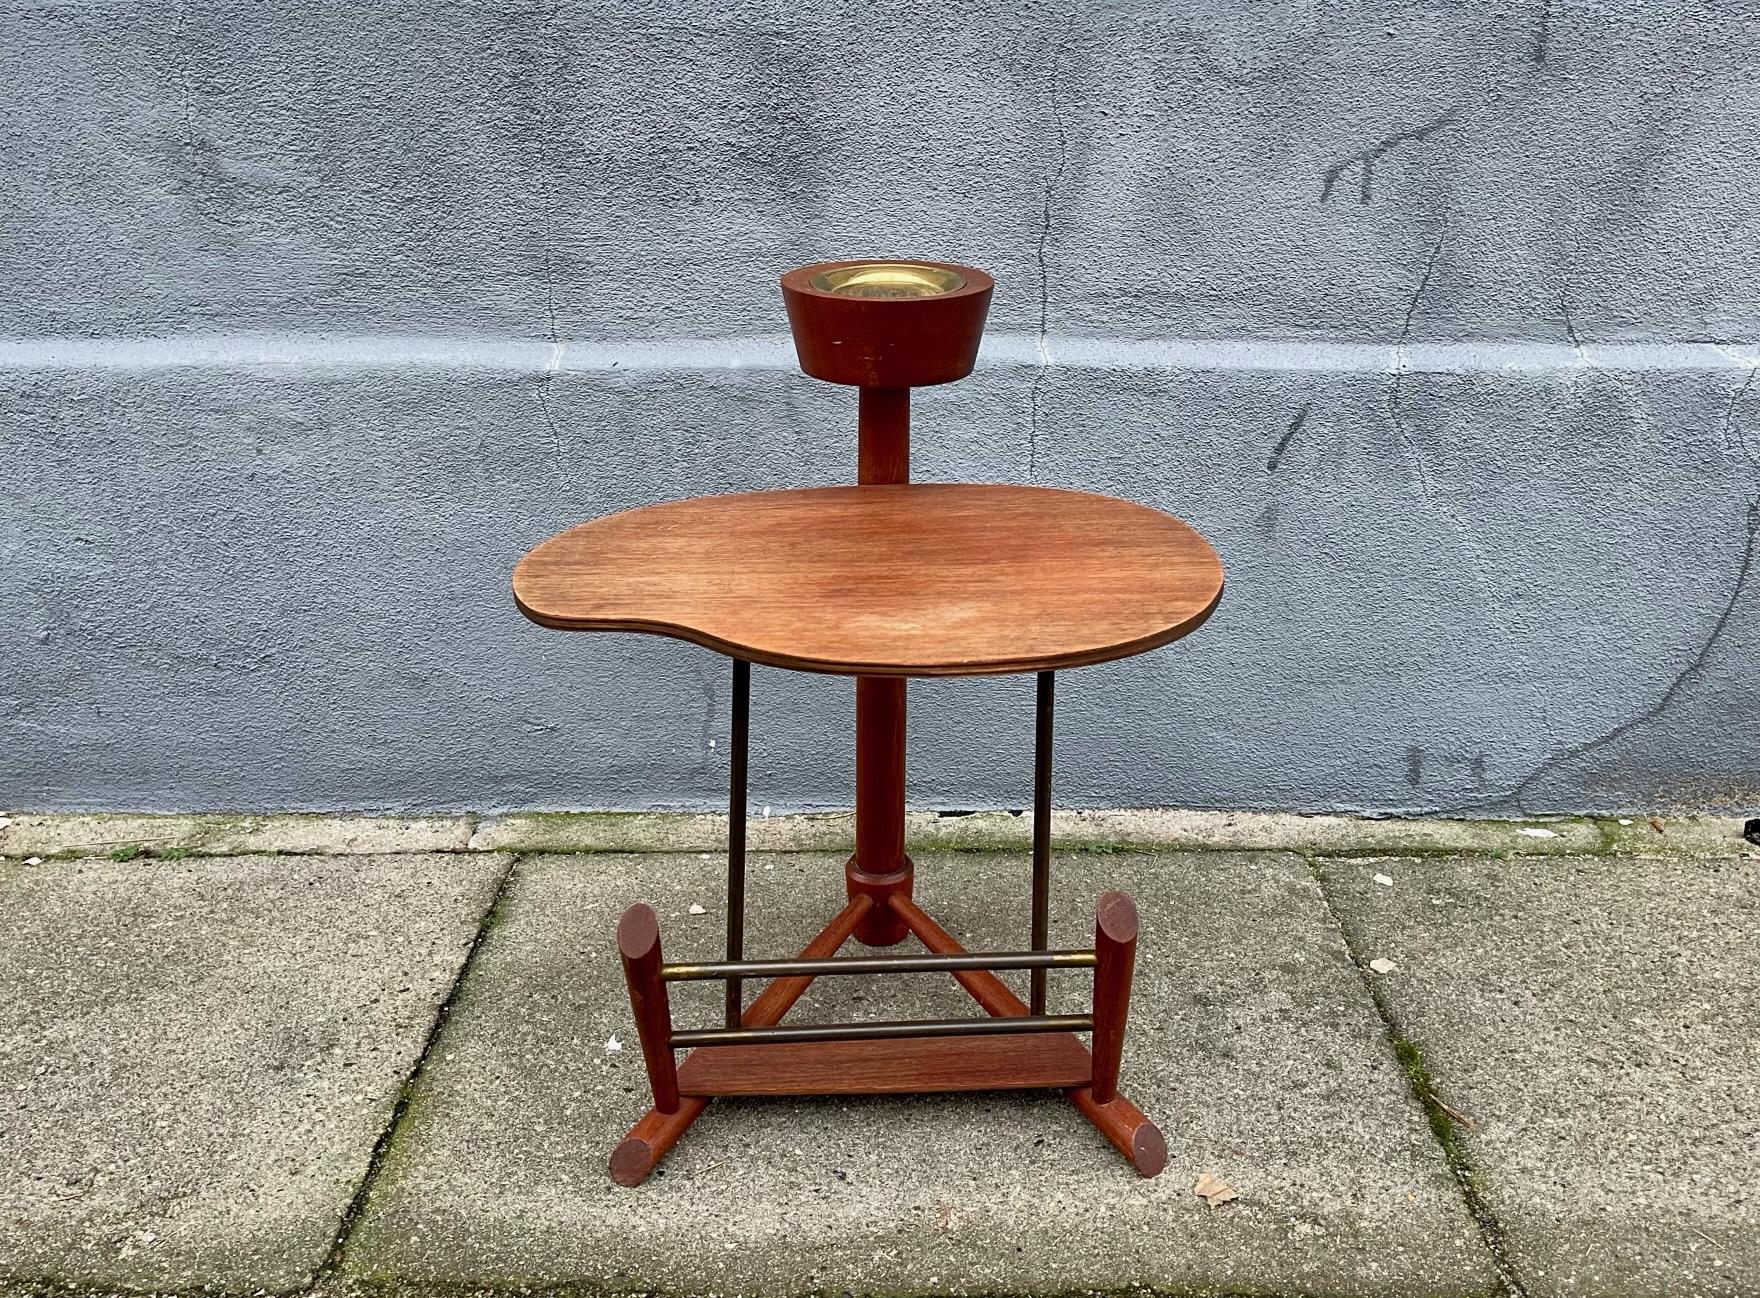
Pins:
x: 927, y: 579
x: 1052, y: 1061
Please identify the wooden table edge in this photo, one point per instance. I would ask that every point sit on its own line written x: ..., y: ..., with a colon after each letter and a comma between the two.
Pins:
x: 826, y: 667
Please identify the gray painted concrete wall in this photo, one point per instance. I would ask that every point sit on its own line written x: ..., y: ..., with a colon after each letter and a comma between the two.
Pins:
x: 1434, y: 317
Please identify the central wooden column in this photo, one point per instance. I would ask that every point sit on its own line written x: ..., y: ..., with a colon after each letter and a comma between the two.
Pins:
x: 879, y: 867
x: 883, y: 328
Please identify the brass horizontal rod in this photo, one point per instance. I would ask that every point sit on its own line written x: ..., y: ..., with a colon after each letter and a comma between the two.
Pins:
x: 883, y: 1031
x: 878, y: 964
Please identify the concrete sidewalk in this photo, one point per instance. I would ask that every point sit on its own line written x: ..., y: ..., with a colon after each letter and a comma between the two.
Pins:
x: 393, y: 1071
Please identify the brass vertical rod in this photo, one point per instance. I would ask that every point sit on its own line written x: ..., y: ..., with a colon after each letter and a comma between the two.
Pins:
x: 1041, y: 833
x: 738, y: 745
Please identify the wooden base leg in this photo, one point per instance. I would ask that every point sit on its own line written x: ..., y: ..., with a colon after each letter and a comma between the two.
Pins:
x: 1120, y: 1121
x: 658, y: 1131
x: 637, y: 1153
x: 1123, y: 1123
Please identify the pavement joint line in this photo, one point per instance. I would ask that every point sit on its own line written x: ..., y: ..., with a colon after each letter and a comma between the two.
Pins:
x: 351, y: 1287
x: 1440, y: 1118
x: 332, y: 1264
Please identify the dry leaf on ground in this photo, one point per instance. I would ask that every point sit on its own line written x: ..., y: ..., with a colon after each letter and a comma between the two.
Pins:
x: 1213, y: 1190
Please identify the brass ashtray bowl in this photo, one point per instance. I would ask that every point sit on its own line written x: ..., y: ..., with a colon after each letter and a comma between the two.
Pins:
x: 887, y: 324
x: 888, y: 279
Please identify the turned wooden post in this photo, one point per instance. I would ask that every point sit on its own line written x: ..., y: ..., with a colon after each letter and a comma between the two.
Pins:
x: 1115, y: 952
x: 638, y: 942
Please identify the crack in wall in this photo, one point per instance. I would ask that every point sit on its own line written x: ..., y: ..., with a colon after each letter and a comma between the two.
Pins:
x: 1402, y: 362
x: 1611, y: 375
x: 1542, y: 35
x: 551, y: 367
x: 1570, y: 329
x: 1367, y: 158
x: 1295, y: 426
x: 1053, y: 179
x: 1735, y: 437
x: 1515, y: 794
x: 547, y: 229
x: 1468, y: 542
x: 184, y: 79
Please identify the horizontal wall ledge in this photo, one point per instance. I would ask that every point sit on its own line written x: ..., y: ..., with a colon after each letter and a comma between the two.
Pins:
x: 304, y: 351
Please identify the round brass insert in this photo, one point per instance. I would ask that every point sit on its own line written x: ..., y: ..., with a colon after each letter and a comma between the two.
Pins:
x: 895, y: 279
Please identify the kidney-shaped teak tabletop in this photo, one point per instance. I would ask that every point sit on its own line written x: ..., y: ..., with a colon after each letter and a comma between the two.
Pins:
x: 925, y: 579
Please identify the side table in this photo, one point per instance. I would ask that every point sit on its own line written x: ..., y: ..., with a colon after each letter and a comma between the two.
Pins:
x: 884, y: 581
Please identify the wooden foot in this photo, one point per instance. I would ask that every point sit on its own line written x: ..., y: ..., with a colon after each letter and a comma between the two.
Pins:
x: 647, y: 1142
x: 1123, y: 1123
